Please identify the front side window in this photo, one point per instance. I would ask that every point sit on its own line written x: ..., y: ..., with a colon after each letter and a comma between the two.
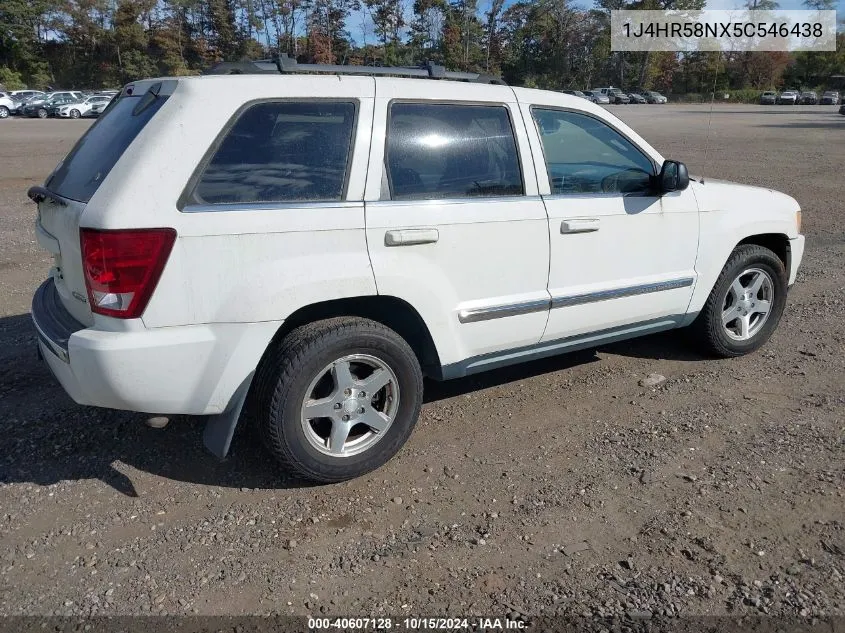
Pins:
x: 437, y: 151
x: 584, y: 155
x: 291, y: 151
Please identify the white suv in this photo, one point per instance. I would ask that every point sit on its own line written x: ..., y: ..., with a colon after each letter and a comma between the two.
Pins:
x: 313, y: 246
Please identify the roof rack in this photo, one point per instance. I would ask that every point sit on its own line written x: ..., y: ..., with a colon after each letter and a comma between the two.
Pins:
x: 284, y: 64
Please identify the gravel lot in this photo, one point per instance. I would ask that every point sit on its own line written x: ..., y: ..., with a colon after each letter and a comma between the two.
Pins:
x: 558, y: 487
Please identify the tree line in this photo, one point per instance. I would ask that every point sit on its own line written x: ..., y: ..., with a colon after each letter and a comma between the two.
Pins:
x: 539, y: 43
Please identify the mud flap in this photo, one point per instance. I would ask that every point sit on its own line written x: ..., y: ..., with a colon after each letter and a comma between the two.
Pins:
x: 220, y: 428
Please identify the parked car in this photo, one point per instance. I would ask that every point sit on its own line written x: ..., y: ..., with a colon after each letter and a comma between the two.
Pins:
x: 76, y: 109
x: 768, y: 98
x: 636, y: 98
x: 809, y: 98
x: 575, y: 93
x: 41, y: 107
x: 617, y: 96
x: 789, y: 97
x: 596, y: 97
x: 339, y: 274
x: 653, y: 96
x: 6, y: 105
x: 19, y: 97
x: 98, y: 108
x: 842, y: 109
x: 830, y: 97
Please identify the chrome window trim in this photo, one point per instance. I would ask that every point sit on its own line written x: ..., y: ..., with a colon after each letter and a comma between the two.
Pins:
x: 618, y: 293
x: 271, y: 206
x: 473, y: 315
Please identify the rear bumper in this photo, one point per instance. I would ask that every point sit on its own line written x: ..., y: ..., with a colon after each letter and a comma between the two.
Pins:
x: 192, y: 370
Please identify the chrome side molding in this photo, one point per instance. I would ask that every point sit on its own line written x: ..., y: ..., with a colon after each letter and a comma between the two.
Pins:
x: 618, y: 293
x: 497, y: 312
x: 473, y: 315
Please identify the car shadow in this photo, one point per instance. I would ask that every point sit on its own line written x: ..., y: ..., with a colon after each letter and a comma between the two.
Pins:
x: 49, y: 438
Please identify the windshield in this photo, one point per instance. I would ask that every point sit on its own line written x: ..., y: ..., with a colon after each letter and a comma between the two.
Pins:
x: 82, y: 171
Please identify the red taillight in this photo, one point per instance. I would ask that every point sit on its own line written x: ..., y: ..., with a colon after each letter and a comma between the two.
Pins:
x: 123, y: 267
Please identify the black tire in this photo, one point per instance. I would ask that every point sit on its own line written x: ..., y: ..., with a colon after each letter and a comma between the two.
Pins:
x: 286, y: 373
x: 4, y: 112
x: 42, y: 113
x: 74, y: 114
x: 708, y: 325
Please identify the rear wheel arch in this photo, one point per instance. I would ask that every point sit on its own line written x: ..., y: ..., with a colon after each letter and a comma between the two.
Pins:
x: 395, y: 313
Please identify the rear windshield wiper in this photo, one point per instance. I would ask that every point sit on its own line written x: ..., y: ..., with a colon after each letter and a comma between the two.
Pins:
x: 39, y: 194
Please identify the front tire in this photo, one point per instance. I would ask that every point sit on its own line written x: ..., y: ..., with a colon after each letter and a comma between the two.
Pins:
x: 42, y: 113
x: 338, y: 398
x: 4, y: 112
x: 746, y: 303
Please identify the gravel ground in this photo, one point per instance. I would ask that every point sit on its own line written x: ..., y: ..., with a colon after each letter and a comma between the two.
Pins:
x: 560, y: 487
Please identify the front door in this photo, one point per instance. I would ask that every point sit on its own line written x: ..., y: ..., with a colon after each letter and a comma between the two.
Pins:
x: 621, y: 256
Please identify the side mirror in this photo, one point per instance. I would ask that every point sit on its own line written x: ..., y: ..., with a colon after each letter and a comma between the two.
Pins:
x: 673, y: 177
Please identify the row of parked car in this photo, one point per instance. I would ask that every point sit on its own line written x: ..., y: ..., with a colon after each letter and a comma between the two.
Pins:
x: 615, y: 95
x: 796, y: 97
x: 66, y: 104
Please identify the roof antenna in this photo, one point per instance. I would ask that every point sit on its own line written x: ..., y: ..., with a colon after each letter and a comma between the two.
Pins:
x: 710, y: 119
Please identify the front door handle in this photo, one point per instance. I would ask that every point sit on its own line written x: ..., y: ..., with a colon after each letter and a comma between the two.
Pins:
x: 579, y: 225
x: 410, y: 237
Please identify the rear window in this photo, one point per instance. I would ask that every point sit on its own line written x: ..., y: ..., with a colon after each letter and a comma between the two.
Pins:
x: 451, y: 151
x: 83, y: 170
x: 288, y: 151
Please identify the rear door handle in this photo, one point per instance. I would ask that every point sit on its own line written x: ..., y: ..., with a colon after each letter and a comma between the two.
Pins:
x: 410, y: 237
x: 580, y: 225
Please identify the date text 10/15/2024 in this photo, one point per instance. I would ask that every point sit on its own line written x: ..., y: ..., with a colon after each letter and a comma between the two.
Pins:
x: 415, y: 624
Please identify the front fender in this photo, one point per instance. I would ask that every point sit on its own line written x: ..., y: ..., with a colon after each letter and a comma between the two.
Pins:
x: 729, y: 214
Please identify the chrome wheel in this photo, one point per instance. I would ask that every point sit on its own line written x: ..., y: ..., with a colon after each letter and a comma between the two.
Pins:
x: 74, y: 114
x: 747, y: 304
x: 349, y: 405
x: 4, y: 112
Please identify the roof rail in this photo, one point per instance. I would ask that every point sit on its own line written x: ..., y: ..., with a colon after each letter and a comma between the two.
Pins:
x: 285, y: 64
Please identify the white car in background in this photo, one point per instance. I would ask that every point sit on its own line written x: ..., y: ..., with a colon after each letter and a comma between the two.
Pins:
x: 82, y: 108
x: 7, y: 105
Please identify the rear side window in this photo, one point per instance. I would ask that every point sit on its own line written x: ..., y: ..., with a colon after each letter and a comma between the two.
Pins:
x: 82, y: 171
x: 451, y: 151
x: 291, y: 151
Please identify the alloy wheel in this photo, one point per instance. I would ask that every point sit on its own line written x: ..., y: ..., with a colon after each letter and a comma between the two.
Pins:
x: 349, y: 405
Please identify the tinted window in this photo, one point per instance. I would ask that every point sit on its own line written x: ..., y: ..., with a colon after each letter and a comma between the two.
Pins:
x: 451, y: 151
x: 584, y: 155
x: 92, y: 158
x: 282, y: 151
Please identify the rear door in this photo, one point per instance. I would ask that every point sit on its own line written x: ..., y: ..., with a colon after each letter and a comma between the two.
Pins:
x: 77, y: 178
x: 454, y: 223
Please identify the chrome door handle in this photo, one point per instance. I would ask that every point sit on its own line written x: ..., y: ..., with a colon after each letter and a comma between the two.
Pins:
x: 580, y: 225
x: 410, y: 237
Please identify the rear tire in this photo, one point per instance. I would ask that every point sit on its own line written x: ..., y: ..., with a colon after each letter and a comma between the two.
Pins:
x: 338, y: 398
x: 74, y: 114
x: 746, y: 303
